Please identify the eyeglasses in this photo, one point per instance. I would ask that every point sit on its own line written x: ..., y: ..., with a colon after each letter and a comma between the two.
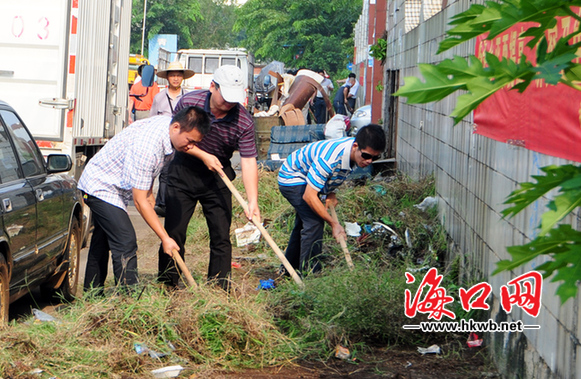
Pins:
x: 367, y: 156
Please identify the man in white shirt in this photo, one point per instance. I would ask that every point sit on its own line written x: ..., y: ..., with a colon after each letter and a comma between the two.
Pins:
x: 164, y: 104
x: 319, y: 103
x: 124, y: 170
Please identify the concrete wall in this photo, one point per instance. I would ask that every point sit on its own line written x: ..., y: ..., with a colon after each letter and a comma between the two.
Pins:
x: 474, y: 175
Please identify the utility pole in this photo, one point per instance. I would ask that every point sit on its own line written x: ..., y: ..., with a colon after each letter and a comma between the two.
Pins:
x: 143, y: 28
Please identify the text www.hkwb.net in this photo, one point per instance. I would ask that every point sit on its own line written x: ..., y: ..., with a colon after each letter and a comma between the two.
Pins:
x: 470, y: 326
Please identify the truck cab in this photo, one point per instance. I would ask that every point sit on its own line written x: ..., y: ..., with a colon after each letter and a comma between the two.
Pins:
x: 204, y: 63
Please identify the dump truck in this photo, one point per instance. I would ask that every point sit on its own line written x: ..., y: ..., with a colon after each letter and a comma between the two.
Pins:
x: 135, y: 60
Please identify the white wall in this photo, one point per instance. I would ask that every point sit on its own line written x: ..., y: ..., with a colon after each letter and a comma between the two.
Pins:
x: 474, y: 175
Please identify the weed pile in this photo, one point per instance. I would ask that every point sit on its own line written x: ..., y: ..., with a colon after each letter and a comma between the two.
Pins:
x: 206, y: 329
x: 201, y: 330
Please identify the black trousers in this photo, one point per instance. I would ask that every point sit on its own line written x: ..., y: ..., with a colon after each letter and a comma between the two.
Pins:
x: 113, y: 232
x: 190, y: 182
x: 320, y: 110
x: 306, y: 240
x: 162, y: 188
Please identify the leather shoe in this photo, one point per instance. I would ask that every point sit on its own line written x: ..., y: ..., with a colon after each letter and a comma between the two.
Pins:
x: 159, y: 210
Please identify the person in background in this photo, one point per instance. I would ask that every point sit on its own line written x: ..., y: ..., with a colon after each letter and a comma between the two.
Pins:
x: 314, y: 172
x: 163, y: 104
x: 340, y: 102
x: 193, y: 176
x: 124, y: 170
x: 165, y: 101
x: 352, y: 95
x: 142, y: 97
x: 321, y: 116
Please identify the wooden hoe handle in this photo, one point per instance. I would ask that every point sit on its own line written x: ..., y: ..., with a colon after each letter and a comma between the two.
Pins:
x: 178, y: 258
x: 265, y: 234
x: 342, y: 241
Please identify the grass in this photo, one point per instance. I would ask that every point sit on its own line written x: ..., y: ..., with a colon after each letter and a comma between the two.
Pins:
x: 206, y: 330
x: 200, y: 330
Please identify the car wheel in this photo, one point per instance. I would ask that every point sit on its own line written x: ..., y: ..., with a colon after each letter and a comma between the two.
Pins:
x: 4, y: 291
x: 68, y: 288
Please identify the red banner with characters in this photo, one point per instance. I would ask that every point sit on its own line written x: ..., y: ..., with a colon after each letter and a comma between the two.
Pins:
x: 543, y: 118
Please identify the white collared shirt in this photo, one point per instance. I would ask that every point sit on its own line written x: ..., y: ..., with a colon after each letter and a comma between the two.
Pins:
x: 131, y: 159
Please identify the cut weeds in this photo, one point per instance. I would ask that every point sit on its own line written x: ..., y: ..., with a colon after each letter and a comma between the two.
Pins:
x: 209, y: 332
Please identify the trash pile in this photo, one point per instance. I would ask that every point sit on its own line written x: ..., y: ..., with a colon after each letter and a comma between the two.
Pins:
x: 383, y: 229
x: 286, y: 95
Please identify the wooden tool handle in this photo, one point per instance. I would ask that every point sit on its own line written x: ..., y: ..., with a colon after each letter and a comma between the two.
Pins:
x: 263, y: 231
x: 342, y: 241
x: 178, y: 258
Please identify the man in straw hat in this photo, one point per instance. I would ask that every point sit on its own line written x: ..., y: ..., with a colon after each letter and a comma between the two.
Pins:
x: 192, y: 175
x: 165, y: 101
x: 164, y: 104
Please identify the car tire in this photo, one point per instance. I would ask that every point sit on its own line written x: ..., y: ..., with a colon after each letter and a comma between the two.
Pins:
x: 4, y: 291
x: 68, y: 288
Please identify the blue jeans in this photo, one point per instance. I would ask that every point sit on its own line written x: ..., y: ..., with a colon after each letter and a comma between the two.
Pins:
x: 305, y: 244
x: 113, y: 231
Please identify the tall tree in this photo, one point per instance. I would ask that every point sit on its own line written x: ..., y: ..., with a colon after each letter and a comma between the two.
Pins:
x: 215, y: 27
x: 199, y: 24
x: 300, y: 33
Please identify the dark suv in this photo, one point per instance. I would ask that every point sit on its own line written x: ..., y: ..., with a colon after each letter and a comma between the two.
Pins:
x: 40, y: 228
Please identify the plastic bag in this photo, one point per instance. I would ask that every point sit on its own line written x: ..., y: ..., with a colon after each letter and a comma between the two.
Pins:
x: 336, y: 127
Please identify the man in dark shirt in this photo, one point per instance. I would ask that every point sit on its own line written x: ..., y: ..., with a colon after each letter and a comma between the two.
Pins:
x: 340, y: 102
x: 192, y: 176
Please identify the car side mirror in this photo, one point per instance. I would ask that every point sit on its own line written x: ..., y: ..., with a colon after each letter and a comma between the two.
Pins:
x: 59, y: 163
x: 147, y: 75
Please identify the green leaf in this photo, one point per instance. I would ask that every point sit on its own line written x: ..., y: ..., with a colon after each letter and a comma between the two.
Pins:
x: 563, y: 244
x: 551, y: 70
x: 572, y: 184
x: 568, y: 267
x: 560, y: 207
x: 496, y: 18
x: 522, y: 254
x: 474, y: 11
x: 479, y: 90
x: 442, y: 79
x: 437, y: 86
x: 573, y: 73
x: 530, y: 192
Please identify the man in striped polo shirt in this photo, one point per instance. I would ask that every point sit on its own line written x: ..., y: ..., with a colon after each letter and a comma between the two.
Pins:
x: 317, y: 170
x: 192, y: 176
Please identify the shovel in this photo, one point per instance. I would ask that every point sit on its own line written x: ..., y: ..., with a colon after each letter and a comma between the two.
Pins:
x: 265, y: 234
x: 342, y: 241
x: 178, y: 258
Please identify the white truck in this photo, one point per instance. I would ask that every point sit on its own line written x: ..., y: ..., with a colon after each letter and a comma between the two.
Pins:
x: 205, y: 61
x: 64, y: 67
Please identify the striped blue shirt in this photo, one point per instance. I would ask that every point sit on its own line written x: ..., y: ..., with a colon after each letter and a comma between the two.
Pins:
x: 131, y: 159
x: 324, y: 165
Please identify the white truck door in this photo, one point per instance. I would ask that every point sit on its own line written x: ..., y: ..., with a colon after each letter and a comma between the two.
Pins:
x: 34, y: 63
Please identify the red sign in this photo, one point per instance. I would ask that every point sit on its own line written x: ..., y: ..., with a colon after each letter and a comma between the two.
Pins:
x: 543, y: 118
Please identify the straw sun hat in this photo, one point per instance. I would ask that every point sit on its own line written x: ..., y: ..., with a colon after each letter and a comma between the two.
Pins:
x: 175, y: 66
